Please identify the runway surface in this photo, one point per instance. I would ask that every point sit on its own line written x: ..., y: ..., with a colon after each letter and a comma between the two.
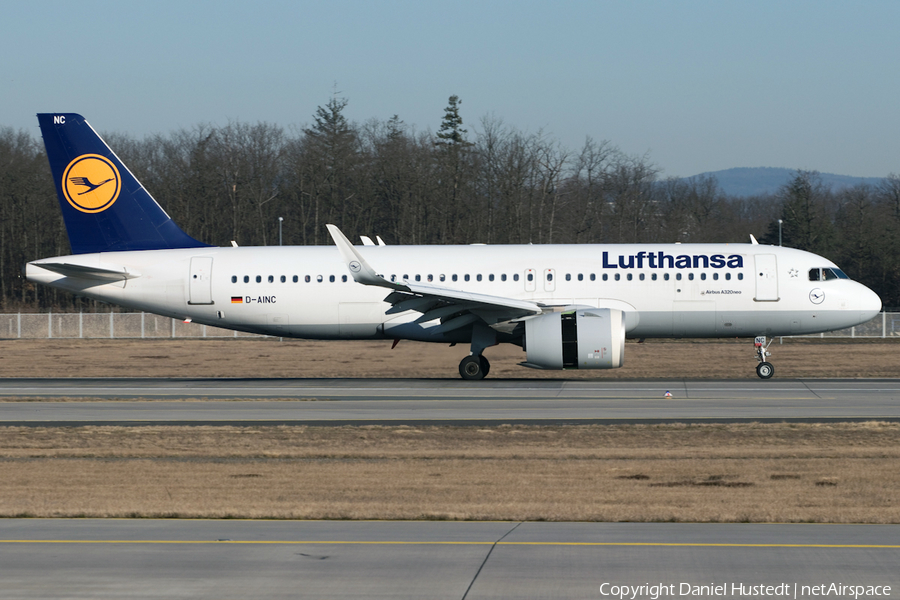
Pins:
x: 321, y: 559
x: 362, y: 401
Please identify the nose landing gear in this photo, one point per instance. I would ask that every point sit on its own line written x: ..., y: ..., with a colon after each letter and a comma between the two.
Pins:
x: 764, y: 369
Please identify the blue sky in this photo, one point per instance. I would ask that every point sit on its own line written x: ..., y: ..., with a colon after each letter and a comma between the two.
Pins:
x: 700, y: 86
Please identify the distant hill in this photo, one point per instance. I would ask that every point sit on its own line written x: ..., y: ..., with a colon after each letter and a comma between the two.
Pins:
x: 744, y: 181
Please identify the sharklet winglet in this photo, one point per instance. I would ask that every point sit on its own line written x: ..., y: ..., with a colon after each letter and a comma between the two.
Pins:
x: 357, y: 265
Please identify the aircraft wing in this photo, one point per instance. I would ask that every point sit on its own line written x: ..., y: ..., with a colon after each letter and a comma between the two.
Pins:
x: 455, y: 308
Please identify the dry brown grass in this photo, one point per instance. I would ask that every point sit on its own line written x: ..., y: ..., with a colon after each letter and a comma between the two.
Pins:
x: 742, y: 472
x: 715, y: 359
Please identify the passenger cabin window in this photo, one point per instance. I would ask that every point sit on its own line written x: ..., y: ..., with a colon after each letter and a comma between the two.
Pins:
x: 727, y: 276
x: 568, y: 277
x: 478, y: 277
x: 531, y: 277
x: 466, y: 277
x: 503, y: 277
x: 678, y: 276
x: 259, y: 279
x: 666, y: 276
x: 331, y: 278
x: 246, y: 279
x: 515, y: 276
x: 593, y: 277
x: 283, y: 279
x: 296, y: 279
x: 491, y: 277
x: 344, y: 278
x: 641, y: 276
x: 234, y: 279
x: 606, y: 277
x: 454, y: 277
x: 319, y: 278
x: 580, y: 277
x: 418, y: 278
x: 618, y: 277
x: 271, y: 279
x: 306, y: 279
x: 442, y: 277
x: 630, y: 277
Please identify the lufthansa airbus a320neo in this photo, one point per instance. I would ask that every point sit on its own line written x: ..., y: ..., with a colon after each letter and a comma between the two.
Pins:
x: 567, y: 306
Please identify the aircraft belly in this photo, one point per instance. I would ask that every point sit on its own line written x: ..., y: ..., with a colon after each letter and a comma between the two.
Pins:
x: 361, y: 320
x: 694, y: 318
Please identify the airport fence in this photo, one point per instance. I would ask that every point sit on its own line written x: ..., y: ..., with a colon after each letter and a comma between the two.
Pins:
x: 106, y: 325
x: 146, y: 325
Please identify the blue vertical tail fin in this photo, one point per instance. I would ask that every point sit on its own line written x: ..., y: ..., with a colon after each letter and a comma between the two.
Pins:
x: 104, y: 206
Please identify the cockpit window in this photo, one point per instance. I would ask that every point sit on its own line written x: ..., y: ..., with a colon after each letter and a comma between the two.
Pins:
x: 826, y: 274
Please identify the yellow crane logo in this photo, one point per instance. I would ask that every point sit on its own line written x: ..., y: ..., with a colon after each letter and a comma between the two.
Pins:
x: 91, y: 183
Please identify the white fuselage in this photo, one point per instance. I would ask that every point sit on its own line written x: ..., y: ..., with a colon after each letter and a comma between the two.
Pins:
x: 665, y: 290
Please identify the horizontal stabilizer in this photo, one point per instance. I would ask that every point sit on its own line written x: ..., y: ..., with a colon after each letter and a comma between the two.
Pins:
x: 88, y: 272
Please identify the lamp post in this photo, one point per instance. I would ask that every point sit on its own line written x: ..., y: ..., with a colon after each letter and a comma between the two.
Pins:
x: 779, y: 231
x: 280, y: 219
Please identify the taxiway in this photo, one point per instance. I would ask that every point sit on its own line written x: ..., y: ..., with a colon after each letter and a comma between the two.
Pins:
x: 317, y: 559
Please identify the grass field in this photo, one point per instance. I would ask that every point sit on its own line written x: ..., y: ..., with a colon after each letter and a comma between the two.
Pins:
x: 719, y: 359
x: 720, y: 473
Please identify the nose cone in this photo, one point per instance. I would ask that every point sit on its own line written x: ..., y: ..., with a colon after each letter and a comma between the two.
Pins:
x: 868, y: 302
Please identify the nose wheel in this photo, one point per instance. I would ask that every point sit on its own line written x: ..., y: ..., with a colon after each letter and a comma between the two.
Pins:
x: 764, y: 369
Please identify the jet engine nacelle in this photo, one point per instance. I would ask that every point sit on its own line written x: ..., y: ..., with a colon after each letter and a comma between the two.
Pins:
x: 591, y: 338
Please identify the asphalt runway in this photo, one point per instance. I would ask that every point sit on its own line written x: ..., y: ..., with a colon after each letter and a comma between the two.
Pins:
x: 403, y: 401
x: 320, y: 559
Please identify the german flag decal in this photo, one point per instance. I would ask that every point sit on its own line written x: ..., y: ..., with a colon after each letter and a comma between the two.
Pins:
x: 237, y: 299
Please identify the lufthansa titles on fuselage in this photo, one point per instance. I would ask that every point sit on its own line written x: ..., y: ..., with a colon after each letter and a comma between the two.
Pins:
x: 661, y: 260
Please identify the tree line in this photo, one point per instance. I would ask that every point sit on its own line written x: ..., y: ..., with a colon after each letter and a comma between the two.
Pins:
x: 496, y: 185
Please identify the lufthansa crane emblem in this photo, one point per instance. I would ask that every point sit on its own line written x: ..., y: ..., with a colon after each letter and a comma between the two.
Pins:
x: 91, y: 183
x: 355, y: 266
x: 817, y: 296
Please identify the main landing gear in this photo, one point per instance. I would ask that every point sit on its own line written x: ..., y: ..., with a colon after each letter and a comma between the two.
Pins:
x: 476, y: 366
x: 764, y: 369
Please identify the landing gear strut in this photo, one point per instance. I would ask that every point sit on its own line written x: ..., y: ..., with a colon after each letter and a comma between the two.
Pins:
x: 476, y: 366
x: 764, y: 369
